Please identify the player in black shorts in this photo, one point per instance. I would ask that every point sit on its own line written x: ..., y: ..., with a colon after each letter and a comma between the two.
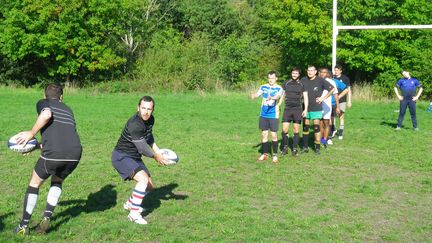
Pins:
x: 61, y: 153
x: 135, y: 140
x: 293, y: 93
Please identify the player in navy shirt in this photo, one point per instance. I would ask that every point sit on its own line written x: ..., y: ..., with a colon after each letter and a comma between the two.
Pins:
x: 408, y: 85
x: 136, y: 140
x: 61, y: 153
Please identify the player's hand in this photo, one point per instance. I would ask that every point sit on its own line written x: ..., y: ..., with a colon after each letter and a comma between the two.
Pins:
x: 304, y: 113
x: 338, y: 111
x: 24, y: 137
x: 415, y: 98
x: 400, y: 98
x: 319, y: 100
x: 349, y: 105
x: 160, y: 159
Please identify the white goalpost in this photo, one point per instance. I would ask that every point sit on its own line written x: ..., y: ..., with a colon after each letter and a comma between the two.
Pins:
x: 336, y: 29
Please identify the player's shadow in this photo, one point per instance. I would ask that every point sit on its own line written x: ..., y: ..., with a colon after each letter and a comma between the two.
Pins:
x: 153, y: 199
x: 99, y: 201
x: 389, y: 124
x: 2, y: 217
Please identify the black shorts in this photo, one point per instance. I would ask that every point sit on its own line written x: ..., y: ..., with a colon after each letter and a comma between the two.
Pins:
x: 127, y: 166
x: 271, y: 124
x: 292, y: 115
x: 45, y: 168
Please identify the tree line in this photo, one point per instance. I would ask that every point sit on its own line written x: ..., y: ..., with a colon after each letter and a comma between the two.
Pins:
x: 123, y: 45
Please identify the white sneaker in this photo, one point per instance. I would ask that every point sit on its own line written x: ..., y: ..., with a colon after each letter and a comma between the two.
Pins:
x: 333, y: 134
x: 329, y: 142
x: 127, y: 205
x: 340, y: 137
x: 136, y: 218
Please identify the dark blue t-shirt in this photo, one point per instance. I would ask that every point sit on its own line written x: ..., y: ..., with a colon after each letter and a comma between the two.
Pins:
x: 408, y: 86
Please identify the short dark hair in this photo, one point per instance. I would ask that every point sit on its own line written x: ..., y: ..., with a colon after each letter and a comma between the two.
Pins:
x: 338, y: 66
x: 53, y: 91
x: 296, y: 69
x: 146, y: 98
x: 271, y: 73
x: 323, y: 68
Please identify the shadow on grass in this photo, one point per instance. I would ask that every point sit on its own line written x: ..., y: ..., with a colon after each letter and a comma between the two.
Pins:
x: 389, y: 124
x: 153, y: 199
x: 2, y: 217
x: 99, y: 201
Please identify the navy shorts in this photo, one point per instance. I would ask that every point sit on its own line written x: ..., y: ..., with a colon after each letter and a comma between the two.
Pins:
x: 271, y: 124
x: 45, y: 168
x: 127, y: 166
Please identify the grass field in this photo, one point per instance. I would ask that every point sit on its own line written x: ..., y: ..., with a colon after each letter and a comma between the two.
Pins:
x: 375, y: 185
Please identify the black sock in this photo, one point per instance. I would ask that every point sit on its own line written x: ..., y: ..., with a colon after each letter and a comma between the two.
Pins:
x: 275, y: 147
x: 317, y: 146
x: 340, y: 132
x: 285, y: 139
x: 30, y: 200
x: 265, y: 147
x: 296, y: 140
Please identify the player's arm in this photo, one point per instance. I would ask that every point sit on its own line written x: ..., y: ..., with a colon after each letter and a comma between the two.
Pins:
x: 415, y: 98
x: 349, y: 104
x: 337, y: 103
x: 343, y: 93
x: 396, y: 90
x: 41, y: 121
x: 306, y: 103
x: 257, y: 94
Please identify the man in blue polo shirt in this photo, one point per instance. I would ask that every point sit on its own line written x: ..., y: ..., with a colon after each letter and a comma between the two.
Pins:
x: 408, y: 86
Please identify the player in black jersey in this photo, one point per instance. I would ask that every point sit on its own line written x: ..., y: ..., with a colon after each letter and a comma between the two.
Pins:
x: 315, y: 87
x: 294, y: 93
x: 135, y: 140
x: 61, y: 153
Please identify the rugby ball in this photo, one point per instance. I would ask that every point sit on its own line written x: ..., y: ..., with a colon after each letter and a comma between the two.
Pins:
x: 14, y: 146
x: 170, y: 156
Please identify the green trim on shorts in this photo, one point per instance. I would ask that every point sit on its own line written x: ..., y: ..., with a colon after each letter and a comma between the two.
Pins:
x: 314, y: 115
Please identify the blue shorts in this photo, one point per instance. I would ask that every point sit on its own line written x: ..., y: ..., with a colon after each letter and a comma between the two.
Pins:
x: 127, y: 166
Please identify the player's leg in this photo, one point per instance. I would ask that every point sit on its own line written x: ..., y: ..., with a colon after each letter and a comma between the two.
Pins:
x: 264, y: 125
x: 274, y: 127
x: 317, y: 134
x: 285, y: 138
x: 296, y: 137
x: 31, y: 195
x: 412, y: 109
x: 306, y: 123
x: 60, y: 171
x: 138, y: 194
x: 341, y: 120
x: 402, y: 109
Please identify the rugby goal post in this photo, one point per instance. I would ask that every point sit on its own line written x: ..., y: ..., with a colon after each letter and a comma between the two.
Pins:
x: 336, y: 29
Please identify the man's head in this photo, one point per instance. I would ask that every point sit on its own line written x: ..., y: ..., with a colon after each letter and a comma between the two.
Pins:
x: 146, y: 107
x: 54, y: 91
x: 272, y: 78
x: 338, y: 70
x: 406, y: 74
x: 295, y: 73
x: 323, y: 73
x: 311, y: 72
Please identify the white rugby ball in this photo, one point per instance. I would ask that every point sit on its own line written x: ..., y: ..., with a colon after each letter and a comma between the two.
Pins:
x: 14, y: 146
x: 170, y: 156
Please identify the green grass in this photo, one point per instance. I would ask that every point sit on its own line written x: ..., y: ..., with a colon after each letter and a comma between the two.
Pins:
x: 375, y: 185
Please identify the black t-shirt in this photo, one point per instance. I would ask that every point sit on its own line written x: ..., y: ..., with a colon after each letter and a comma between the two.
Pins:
x: 347, y: 82
x: 315, y: 89
x: 293, y: 94
x: 60, y: 140
x: 135, y: 129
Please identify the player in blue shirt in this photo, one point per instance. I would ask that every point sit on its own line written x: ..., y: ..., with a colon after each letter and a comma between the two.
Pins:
x: 269, y: 118
x: 408, y: 85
